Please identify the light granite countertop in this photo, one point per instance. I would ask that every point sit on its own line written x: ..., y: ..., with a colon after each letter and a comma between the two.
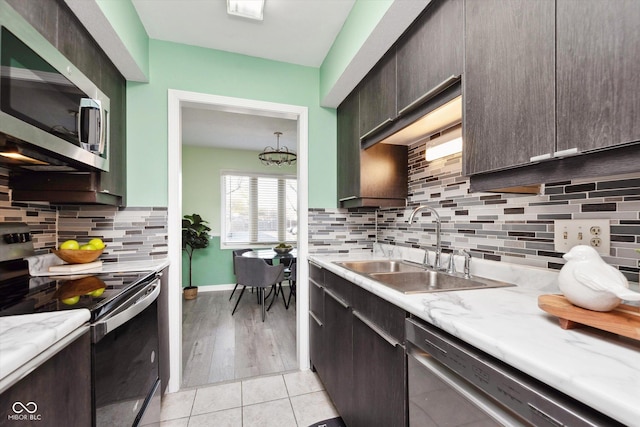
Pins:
x: 26, y: 337
x: 599, y: 369
x: 39, y: 266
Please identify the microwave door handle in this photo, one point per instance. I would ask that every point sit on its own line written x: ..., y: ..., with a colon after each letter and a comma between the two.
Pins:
x: 102, y: 129
x: 111, y: 323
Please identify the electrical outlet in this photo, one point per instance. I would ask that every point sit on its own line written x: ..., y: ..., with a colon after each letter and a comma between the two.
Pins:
x: 590, y: 232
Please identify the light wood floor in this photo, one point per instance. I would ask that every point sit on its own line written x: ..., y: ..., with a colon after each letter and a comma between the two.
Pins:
x: 219, y: 347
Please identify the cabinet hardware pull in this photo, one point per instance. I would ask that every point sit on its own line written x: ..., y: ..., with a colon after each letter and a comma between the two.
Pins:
x: 344, y: 199
x: 541, y: 157
x: 377, y: 128
x: 558, y: 154
x: 316, y: 265
x: 431, y: 93
x: 316, y: 318
x: 566, y: 153
x: 388, y: 338
x: 316, y: 284
x: 339, y: 300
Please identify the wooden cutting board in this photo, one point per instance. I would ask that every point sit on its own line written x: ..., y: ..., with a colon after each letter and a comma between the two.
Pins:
x: 623, y: 320
x: 72, y: 268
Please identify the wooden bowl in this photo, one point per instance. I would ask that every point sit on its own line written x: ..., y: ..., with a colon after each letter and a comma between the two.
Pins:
x: 77, y: 256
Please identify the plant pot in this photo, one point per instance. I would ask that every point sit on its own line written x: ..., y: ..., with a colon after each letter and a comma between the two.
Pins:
x: 190, y: 292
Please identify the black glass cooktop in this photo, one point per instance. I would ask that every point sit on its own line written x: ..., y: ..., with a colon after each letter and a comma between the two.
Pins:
x: 96, y: 292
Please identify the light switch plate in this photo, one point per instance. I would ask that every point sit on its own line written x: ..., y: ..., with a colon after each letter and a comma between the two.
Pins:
x: 591, y: 232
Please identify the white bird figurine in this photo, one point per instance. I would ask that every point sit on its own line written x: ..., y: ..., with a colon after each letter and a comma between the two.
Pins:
x: 589, y: 282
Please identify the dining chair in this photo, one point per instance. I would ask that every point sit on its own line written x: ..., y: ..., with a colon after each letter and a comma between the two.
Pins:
x: 236, y: 253
x: 254, y: 272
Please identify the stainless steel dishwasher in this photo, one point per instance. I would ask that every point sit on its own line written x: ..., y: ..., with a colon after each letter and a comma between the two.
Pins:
x: 454, y: 384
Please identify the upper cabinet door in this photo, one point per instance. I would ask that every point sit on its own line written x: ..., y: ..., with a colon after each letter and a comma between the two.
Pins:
x: 430, y: 54
x: 378, y: 96
x: 348, y: 149
x: 598, y: 43
x: 509, y: 83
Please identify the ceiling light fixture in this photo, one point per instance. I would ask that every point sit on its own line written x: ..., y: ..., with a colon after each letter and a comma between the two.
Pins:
x: 444, y: 145
x: 277, y: 156
x: 251, y: 9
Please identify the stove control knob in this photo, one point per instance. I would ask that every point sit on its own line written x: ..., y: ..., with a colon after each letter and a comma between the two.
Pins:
x: 11, y: 238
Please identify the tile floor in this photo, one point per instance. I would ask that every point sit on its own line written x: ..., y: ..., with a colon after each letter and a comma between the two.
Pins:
x: 295, y: 399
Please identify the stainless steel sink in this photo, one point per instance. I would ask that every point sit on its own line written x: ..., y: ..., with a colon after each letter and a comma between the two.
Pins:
x: 413, y: 279
x: 413, y: 282
x: 382, y: 266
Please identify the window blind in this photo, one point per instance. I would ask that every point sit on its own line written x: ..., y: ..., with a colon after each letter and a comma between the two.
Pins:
x: 258, y: 209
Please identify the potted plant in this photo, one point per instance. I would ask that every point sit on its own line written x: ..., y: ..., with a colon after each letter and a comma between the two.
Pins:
x: 195, y: 235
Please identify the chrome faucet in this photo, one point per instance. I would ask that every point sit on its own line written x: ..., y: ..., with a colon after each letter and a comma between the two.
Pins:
x: 467, y: 262
x: 437, y: 221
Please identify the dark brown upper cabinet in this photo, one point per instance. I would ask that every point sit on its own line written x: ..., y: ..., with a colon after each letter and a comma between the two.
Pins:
x: 348, y: 149
x: 508, y: 85
x: 598, y: 55
x: 550, y: 87
x: 378, y: 97
x: 430, y: 54
x: 372, y: 177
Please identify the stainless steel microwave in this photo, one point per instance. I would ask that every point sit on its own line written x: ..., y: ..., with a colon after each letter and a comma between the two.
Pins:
x: 52, y: 117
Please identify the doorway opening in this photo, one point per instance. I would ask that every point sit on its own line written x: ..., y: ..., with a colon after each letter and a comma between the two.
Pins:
x: 177, y: 101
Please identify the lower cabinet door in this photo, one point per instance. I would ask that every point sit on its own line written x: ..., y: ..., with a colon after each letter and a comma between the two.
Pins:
x: 316, y: 344
x: 338, y: 351
x: 57, y: 393
x: 379, y: 377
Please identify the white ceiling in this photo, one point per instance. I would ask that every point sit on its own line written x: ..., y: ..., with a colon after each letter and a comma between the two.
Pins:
x: 210, y: 128
x: 294, y: 31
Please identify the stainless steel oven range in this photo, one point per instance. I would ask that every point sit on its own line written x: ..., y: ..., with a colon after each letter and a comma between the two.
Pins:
x: 124, y: 327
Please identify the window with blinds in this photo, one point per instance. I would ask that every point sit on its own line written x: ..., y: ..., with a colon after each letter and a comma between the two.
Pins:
x: 258, y: 209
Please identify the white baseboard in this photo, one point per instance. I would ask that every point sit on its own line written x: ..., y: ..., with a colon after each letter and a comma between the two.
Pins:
x: 217, y: 288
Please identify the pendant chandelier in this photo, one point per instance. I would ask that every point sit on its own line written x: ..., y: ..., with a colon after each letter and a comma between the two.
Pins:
x: 277, y: 156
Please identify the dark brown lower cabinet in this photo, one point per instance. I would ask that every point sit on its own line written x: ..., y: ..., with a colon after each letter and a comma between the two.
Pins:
x: 357, y: 349
x: 316, y: 326
x: 338, y: 355
x: 379, y: 377
x: 56, y: 393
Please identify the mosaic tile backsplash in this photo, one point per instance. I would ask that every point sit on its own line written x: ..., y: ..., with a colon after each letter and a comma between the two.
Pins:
x: 130, y: 233
x: 503, y: 227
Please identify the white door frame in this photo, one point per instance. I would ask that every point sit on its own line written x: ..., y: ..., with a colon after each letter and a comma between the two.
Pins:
x: 176, y: 100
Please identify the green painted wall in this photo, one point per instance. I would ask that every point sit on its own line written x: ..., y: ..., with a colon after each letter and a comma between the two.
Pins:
x: 189, y: 68
x: 211, y: 266
x: 124, y: 19
x: 363, y: 18
x: 201, y: 168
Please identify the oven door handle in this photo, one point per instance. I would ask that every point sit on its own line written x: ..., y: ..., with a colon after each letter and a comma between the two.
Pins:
x: 103, y: 327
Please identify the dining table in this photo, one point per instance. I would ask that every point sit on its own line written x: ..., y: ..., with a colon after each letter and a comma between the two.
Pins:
x: 270, y: 254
